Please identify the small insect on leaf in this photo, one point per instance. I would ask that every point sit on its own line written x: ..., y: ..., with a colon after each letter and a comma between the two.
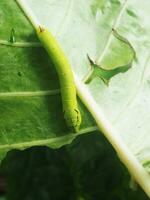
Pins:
x: 12, y: 36
x: 117, y: 59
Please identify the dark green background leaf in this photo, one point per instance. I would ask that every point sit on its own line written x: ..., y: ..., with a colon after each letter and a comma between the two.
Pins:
x: 88, y: 168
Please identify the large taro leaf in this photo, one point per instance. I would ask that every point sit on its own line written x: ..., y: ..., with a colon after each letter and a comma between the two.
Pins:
x: 121, y: 109
x: 30, y: 103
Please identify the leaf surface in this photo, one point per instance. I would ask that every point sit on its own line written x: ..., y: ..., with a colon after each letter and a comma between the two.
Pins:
x: 30, y: 112
x: 30, y: 103
x: 122, y: 109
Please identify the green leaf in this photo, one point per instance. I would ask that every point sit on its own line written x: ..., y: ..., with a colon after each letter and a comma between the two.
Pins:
x: 30, y: 103
x: 122, y: 109
x: 31, y: 111
x: 2, y: 198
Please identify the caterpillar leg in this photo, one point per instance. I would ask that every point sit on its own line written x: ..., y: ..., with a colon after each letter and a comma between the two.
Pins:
x: 73, y: 119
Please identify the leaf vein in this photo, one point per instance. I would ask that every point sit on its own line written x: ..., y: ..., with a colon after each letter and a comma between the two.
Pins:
x: 20, y: 44
x: 110, y: 37
x: 48, y: 142
x: 30, y: 93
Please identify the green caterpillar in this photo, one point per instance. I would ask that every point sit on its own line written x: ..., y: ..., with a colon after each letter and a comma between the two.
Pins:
x: 68, y: 91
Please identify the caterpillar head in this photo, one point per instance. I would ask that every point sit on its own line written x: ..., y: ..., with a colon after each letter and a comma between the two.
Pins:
x: 73, y: 119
